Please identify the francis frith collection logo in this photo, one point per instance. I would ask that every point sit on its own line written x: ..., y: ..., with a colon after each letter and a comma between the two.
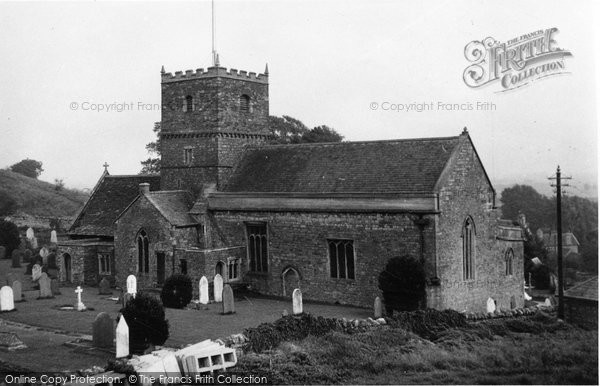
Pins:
x: 515, y: 63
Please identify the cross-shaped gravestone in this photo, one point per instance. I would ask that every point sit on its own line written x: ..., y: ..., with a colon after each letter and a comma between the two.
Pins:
x: 131, y: 285
x: 228, y: 305
x: 377, y: 308
x: 203, y: 290
x: 297, y: 302
x: 218, y: 288
x: 45, y: 286
x: 7, y: 301
x: 79, y: 306
x: 122, y: 338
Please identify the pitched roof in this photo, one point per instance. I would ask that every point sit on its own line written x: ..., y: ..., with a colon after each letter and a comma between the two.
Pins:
x: 174, y: 206
x: 586, y: 290
x: 111, y: 195
x: 398, y: 166
x: 568, y: 239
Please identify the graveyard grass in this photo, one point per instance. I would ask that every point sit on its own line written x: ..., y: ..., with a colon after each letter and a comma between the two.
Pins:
x: 394, y: 356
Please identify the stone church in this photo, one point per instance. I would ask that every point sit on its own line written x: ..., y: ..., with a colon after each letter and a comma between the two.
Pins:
x: 323, y: 217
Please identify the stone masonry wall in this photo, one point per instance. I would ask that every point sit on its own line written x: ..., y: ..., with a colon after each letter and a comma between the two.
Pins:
x: 466, y: 192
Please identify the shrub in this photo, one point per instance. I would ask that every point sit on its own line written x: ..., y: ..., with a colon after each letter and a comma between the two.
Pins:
x: 177, y: 291
x: 9, y: 237
x: 403, y: 284
x: 145, y: 317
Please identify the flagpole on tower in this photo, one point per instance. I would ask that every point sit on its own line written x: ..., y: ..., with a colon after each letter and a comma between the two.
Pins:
x: 215, y: 56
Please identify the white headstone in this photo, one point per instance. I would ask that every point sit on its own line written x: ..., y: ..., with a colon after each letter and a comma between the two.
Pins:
x: 36, y: 272
x: 122, y: 338
x: 203, y: 290
x: 297, y: 301
x: 131, y: 285
x: 7, y: 301
x: 79, y: 306
x: 30, y: 235
x: 44, y: 252
x: 218, y: 288
x: 377, y: 308
x: 53, y: 237
x: 491, y: 305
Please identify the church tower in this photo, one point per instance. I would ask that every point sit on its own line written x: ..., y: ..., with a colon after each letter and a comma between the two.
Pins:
x: 208, y: 117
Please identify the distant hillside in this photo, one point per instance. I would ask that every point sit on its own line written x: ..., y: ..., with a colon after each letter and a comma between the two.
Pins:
x: 40, y: 198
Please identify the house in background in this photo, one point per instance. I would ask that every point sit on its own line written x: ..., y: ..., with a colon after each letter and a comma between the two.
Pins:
x: 581, y: 304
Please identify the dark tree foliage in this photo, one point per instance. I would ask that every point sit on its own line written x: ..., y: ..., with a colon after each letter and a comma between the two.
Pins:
x: 403, y: 284
x: 177, y: 291
x: 145, y: 317
x: 152, y: 164
x: 9, y: 237
x: 28, y: 167
x: 8, y: 205
x: 321, y: 134
x: 286, y: 129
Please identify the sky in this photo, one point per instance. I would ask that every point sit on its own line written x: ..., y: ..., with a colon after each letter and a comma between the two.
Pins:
x: 345, y: 64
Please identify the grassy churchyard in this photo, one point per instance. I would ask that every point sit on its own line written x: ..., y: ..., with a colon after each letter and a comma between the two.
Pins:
x: 535, y: 349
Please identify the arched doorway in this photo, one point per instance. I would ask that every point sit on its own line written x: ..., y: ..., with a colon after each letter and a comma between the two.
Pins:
x: 291, y: 280
x: 67, y: 267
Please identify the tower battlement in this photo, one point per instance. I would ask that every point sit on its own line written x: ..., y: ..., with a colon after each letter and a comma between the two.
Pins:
x: 214, y: 72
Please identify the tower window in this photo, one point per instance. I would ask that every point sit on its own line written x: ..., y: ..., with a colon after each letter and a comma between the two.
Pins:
x: 468, y: 241
x: 143, y: 252
x: 341, y: 259
x: 187, y: 156
x: 245, y: 103
x: 189, y: 104
x: 509, y: 256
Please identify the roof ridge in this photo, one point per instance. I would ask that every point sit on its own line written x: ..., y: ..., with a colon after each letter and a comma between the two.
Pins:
x: 168, y: 191
x: 315, y: 144
x: 132, y: 175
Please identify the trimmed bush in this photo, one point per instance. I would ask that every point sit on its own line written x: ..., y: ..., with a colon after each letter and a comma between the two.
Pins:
x: 177, y: 291
x: 403, y: 284
x: 145, y: 316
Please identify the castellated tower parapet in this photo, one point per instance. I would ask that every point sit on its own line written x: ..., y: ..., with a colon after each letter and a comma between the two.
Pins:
x: 208, y: 117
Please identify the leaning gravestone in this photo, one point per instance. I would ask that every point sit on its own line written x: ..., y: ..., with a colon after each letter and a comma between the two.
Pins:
x: 36, y: 272
x: 45, y: 286
x: 104, y: 287
x: 16, y: 259
x: 131, y: 285
x: 55, y: 287
x: 297, y: 302
x: 218, y: 288
x: 228, y: 305
x: 122, y: 338
x: 53, y: 237
x: 203, y: 290
x: 103, y: 331
x: 2, y: 252
x: 17, y: 291
x: 377, y: 308
x: 7, y: 301
x: 491, y: 305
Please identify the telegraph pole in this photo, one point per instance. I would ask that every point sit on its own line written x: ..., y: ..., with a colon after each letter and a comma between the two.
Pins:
x: 559, y: 259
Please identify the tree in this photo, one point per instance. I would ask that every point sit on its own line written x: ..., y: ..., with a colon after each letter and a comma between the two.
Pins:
x: 28, y: 167
x: 403, y: 284
x: 286, y: 129
x: 152, y: 164
x: 8, y: 205
x: 321, y: 134
x: 9, y: 236
x: 177, y: 291
x: 145, y: 317
x: 58, y: 184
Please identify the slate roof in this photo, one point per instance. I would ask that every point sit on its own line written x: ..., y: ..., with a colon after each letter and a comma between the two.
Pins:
x: 407, y: 166
x: 586, y: 290
x: 174, y: 206
x: 109, y: 198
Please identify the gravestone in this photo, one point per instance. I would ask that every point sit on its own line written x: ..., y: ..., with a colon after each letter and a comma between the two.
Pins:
x: 34, y: 243
x: 513, y: 302
x: 228, y: 305
x: 52, y: 260
x: 2, y: 252
x: 53, y: 237
x: 126, y: 298
x: 10, y: 278
x: 44, y: 252
x: 491, y: 305
x: 7, y: 301
x: 103, y: 331
x: 16, y: 260
x: 131, y: 285
x: 27, y: 255
x: 122, y: 338
x: 79, y: 306
x: 17, y: 291
x: 203, y: 290
x: 218, y: 288
x: 36, y: 272
x: 55, y: 287
x: 30, y: 234
x: 45, y: 286
x: 297, y: 302
x: 377, y: 308
x: 104, y: 287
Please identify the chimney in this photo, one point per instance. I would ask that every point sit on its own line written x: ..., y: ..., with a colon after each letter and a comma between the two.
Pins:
x: 144, y: 188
